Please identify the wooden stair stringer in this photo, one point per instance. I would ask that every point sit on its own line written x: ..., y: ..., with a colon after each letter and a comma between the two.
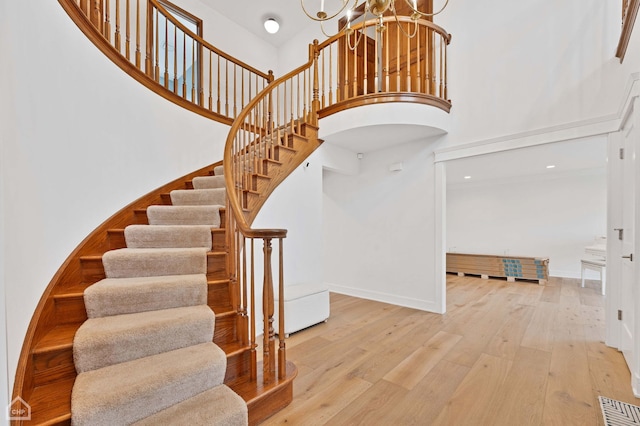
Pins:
x: 299, y: 148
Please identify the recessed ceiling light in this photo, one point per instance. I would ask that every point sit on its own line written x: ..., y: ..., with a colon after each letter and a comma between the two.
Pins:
x: 467, y: 177
x: 271, y: 25
x: 551, y: 166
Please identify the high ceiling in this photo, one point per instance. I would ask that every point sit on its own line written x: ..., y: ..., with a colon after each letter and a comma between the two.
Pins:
x: 251, y: 15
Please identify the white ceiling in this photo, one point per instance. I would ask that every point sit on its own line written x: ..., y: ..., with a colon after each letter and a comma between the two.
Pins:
x: 568, y: 157
x: 251, y: 15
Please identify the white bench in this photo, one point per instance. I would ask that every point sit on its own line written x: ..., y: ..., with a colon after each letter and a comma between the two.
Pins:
x: 595, y: 265
x: 304, y: 305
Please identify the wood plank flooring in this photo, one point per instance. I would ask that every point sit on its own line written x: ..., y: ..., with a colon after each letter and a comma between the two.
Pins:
x: 503, y: 354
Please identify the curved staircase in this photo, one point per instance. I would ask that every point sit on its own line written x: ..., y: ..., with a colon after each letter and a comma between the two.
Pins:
x: 146, y: 351
x: 152, y: 318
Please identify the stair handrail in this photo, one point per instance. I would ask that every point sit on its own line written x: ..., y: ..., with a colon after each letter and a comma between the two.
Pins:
x: 257, y: 130
x: 219, y: 95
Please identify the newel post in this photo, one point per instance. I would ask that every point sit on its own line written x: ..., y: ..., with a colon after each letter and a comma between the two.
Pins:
x: 315, y: 103
x: 269, y: 348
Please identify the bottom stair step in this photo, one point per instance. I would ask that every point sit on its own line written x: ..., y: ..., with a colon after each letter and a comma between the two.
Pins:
x: 131, y: 391
x: 217, y: 406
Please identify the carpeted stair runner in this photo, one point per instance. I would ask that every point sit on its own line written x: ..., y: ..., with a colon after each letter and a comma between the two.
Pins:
x: 128, y: 392
x: 197, y: 197
x: 220, y: 403
x: 164, y: 236
x: 208, y: 182
x: 184, y: 215
x: 116, y: 296
x: 148, y: 262
x: 146, y: 354
x: 101, y: 342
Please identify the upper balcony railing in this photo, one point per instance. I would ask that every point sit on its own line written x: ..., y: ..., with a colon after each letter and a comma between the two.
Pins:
x: 146, y: 40
x: 404, y: 60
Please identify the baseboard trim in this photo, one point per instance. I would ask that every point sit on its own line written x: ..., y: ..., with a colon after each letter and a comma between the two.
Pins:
x: 423, y: 305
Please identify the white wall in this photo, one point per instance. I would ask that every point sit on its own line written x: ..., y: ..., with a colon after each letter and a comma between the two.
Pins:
x: 80, y: 140
x: 5, y: 111
x: 530, y: 216
x: 379, y: 228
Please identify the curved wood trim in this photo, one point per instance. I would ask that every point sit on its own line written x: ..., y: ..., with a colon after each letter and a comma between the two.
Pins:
x: 381, y: 98
x: 42, y: 320
x: 105, y: 47
x: 627, y: 28
x: 373, y: 22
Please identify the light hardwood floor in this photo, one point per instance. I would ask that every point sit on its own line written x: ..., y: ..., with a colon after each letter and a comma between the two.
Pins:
x: 503, y: 354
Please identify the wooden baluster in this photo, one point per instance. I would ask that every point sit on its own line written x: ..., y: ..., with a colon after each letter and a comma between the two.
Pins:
x: 253, y: 345
x: 242, y: 89
x: 315, y: 104
x: 268, y: 355
x: 376, y: 59
x: 148, y: 62
x: 226, y: 83
x: 166, y: 53
x: 446, y: 94
x: 210, y: 81
x: 138, y: 34
x: 96, y: 14
x: 305, y: 97
x: 156, y: 71
x: 291, y: 105
x: 235, y: 91
x: 387, y: 53
x: 116, y: 40
x: 175, y: 59
x: 345, y: 83
x: 193, y: 72
x: 322, y: 102
x: 282, y: 352
x: 243, y: 288
x: 408, y: 59
x: 355, y: 68
x: 218, y: 94
x: 330, y: 76
x: 398, y: 88
x: 107, y: 21
x: 184, y: 64
x: 127, y: 39
x: 442, y: 95
x: 84, y: 6
x: 418, y: 62
x: 365, y: 65
x: 298, y: 91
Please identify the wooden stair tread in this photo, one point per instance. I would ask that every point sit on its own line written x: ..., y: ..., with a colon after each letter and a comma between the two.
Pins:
x: 60, y: 337
x: 253, y: 390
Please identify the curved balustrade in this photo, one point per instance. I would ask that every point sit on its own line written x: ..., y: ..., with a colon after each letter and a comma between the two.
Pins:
x: 272, y: 135
x: 405, y: 62
x: 146, y: 40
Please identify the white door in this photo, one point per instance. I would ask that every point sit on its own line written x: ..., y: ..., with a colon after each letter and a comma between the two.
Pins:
x: 628, y: 287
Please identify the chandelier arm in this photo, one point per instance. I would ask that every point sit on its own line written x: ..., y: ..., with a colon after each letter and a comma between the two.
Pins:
x: 359, y: 37
x: 326, y: 18
x: 415, y: 26
x: 415, y: 10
